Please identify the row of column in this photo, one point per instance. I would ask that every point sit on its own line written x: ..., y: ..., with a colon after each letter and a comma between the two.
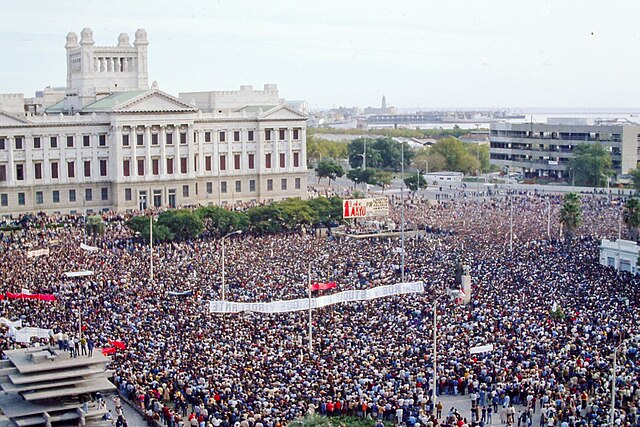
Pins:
x: 114, y: 65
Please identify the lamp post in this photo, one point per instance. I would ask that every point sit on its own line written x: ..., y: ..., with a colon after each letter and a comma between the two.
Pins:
x: 548, y: 219
x: 224, y: 237
x: 402, y: 208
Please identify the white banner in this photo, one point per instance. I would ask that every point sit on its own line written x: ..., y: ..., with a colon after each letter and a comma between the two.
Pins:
x: 323, y: 301
x: 24, y: 335
x: 481, y: 349
x: 365, y: 208
x: 88, y: 248
x: 37, y: 252
x: 78, y: 273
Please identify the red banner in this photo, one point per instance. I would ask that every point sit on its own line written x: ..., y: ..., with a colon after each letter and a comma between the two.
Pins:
x: 323, y: 286
x: 41, y: 297
x: 118, y: 344
x: 108, y: 350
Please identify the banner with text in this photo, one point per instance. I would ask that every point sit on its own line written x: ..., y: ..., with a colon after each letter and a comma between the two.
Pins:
x: 323, y: 301
x: 365, y: 208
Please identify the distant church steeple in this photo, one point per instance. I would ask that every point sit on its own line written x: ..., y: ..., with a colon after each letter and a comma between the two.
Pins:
x: 384, y: 102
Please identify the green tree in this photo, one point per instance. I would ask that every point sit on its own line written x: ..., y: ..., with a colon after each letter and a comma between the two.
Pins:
x: 359, y: 176
x: 141, y: 225
x: 415, y: 182
x: 382, y: 153
x: 330, y: 169
x: 481, y: 152
x: 591, y: 164
x: 456, y: 156
x: 266, y: 218
x: 635, y: 177
x: 222, y: 221
x: 571, y: 215
x: 296, y: 213
x: 184, y: 224
x: 327, y: 210
x: 356, y: 152
x: 320, y: 148
x: 631, y: 217
x: 95, y: 225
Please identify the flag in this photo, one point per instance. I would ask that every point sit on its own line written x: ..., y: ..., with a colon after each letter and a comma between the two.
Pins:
x: 118, y: 344
x: 46, y: 297
x: 108, y: 350
x: 88, y: 248
x: 323, y: 286
x: 25, y: 291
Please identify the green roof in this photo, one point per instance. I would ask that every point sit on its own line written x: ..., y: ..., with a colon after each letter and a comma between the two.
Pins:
x: 257, y: 108
x: 108, y: 103
x: 58, y: 107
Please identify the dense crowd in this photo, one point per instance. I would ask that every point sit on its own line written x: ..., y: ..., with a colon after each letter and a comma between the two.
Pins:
x: 369, y: 358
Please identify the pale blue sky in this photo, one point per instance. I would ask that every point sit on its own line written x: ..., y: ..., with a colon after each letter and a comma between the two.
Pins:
x: 427, y: 54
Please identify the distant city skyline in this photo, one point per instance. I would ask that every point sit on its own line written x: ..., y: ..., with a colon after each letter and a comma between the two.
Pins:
x: 421, y: 54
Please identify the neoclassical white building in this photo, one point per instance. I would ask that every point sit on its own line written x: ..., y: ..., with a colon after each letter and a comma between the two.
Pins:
x: 114, y: 143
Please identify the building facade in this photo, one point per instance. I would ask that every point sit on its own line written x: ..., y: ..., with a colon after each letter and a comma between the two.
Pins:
x: 106, y: 149
x: 542, y: 150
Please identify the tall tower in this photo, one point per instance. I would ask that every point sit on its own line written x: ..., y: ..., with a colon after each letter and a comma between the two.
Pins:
x: 384, y: 102
x: 97, y: 71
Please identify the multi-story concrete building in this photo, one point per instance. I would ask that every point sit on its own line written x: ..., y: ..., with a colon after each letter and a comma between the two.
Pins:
x: 543, y: 150
x: 114, y: 143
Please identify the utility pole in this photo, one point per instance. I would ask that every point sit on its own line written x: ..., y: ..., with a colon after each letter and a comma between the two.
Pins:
x: 151, y: 245
x: 402, y: 209
x: 310, y: 319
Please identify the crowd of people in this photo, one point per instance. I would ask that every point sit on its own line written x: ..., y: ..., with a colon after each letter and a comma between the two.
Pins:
x: 370, y: 358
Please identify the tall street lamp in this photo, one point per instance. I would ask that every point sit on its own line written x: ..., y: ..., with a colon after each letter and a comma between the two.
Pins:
x: 224, y: 237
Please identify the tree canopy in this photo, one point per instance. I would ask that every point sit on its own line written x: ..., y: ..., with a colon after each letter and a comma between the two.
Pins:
x: 591, y: 165
x: 631, y: 216
x: 330, y: 169
x: 414, y: 182
x: 457, y: 157
x: 382, y: 153
x: 571, y: 214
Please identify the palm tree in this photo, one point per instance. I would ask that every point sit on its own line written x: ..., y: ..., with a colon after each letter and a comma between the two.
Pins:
x: 571, y: 215
x: 631, y: 217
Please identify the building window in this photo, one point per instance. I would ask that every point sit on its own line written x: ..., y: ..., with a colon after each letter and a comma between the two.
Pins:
x: 195, y: 165
x: 252, y: 185
x: 282, y: 160
x: 88, y: 194
x: 86, y: 140
x: 54, y: 170
x: 104, y: 193
x: 170, y: 166
x: 252, y: 161
x: 267, y: 134
x: 39, y: 198
x: 236, y: 136
x: 157, y: 198
x: 20, y: 172
x: 183, y: 137
x: 102, y: 140
x: 55, y: 196
x: 103, y: 167
x: 87, y: 168
x: 154, y: 139
x: 141, y: 167
x: 4, y: 199
x: 209, y: 187
x: 2, y: 144
x: 223, y: 163
x: 72, y: 195
x: 238, y: 186
x: 169, y: 136
x: 125, y: 140
x: 223, y: 187
x: 236, y: 161
x: 281, y: 134
x: 207, y: 137
x: 53, y: 142
x: 126, y: 167
x: 296, y: 134
x: 155, y: 166
x: 3, y: 173
x: 185, y: 191
x: 296, y: 160
x: 183, y: 165
x: 267, y: 161
x: 21, y: 199
x: 207, y: 163
x: 18, y: 141
x: 223, y: 136
x: 127, y: 194
x: 298, y: 183
x: 250, y: 136
x: 283, y: 184
x: 70, y: 141
x: 71, y: 169
x: 139, y: 139
x: 36, y: 142
x: 37, y: 170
